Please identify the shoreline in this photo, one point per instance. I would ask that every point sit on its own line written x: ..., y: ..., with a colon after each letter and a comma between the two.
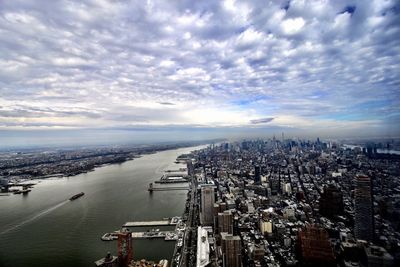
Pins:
x: 57, y: 176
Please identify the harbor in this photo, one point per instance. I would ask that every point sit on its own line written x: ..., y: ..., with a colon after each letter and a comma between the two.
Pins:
x: 114, y: 194
x: 124, y: 236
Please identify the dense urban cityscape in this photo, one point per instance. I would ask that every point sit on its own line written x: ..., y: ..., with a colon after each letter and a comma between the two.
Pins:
x: 273, y: 202
x: 181, y: 133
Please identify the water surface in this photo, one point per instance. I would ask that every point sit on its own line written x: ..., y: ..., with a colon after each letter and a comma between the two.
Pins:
x: 43, y: 229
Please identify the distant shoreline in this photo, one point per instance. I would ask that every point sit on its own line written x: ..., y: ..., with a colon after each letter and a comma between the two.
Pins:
x: 71, y: 167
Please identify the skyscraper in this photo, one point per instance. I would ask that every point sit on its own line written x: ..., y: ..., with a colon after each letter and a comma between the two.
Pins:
x: 190, y: 168
x: 207, y: 205
x: 257, y: 175
x: 331, y: 201
x: 231, y: 250
x: 225, y: 222
x: 363, y: 221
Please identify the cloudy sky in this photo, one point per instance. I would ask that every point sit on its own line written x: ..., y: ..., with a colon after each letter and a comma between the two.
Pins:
x: 322, y: 66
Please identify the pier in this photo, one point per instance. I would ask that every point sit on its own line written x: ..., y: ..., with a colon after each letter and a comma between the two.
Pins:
x: 172, y: 221
x: 166, y: 188
x: 172, y: 181
x: 147, y: 223
x: 173, y: 177
x: 11, y: 188
x: 167, y: 235
x: 153, y: 233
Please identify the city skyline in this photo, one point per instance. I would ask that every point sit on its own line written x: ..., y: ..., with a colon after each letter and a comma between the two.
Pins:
x: 213, y: 68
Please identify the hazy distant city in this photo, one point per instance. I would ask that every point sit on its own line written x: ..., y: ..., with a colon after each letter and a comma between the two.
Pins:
x: 199, y: 133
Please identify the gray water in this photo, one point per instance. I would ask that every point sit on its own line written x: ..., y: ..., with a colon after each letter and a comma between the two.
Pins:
x: 44, y: 229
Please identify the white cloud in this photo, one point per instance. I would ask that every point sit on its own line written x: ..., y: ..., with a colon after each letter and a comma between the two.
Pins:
x: 293, y: 26
x: 219, y: 63
x: 71, y: 61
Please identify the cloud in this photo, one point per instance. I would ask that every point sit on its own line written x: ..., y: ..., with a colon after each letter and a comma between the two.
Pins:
x: 293, y: 26
x: 261, y: 121
x: 214, y: 63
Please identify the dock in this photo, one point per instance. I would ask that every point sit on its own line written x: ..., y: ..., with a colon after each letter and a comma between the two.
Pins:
x: 172, y: 221
x: 169, y: 188
x: 173, y: 177
x: 166, y: 188
x: 167, y: 235
x: 154, y: 233
x: 171, y: 181
x: 147, y: 223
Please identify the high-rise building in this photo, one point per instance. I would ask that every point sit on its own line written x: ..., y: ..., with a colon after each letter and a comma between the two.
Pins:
x: 257, y: 175
x: 225, y: 222
x: 315, y: 247
x: 377, y: 257
x: 190, y: 168
x: 331, y: 201
x: 207, y: 205
x: 231, y: 250
x: 363, y: 221
x: 266, y: 227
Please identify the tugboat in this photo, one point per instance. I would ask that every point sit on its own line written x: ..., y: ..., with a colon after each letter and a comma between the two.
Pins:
x: 25, y: 191
x: 76, y: 196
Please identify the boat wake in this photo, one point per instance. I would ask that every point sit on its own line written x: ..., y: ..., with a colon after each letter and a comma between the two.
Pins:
x: 35, y: 217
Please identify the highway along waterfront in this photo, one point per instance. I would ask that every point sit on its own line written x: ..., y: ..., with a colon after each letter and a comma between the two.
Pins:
x: 44, y: 228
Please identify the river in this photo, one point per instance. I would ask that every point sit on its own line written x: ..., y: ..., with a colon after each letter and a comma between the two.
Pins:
x: 44, y: 229
x: 379, y: 150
